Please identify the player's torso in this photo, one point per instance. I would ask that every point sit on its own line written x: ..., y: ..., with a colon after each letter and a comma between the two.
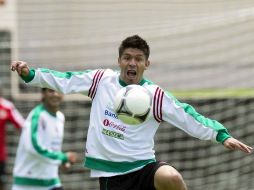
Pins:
x: 50, y: 130
x: 111, y: 131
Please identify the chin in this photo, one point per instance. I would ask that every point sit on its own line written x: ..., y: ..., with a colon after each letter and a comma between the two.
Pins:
x: 55, y: 104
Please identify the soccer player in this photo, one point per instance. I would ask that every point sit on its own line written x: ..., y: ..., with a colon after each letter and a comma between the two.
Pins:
x: 39, y: 151
x: 129, y: 162
x: 8, y: 114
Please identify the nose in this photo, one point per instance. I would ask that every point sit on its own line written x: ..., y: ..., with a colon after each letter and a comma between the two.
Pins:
x: 132, y: 62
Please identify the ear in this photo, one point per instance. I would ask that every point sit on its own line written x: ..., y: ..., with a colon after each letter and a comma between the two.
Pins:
x: 147, y: 64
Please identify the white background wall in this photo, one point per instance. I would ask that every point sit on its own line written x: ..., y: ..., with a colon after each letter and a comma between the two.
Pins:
x: 194, y: 43
x: 8, y: 15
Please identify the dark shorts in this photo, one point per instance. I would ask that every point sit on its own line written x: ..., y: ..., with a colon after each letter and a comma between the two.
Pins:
x: 139, y: 180
x: 2, y: 172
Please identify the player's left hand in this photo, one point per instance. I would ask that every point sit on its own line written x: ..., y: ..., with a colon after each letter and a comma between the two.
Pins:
x: 234, y: 144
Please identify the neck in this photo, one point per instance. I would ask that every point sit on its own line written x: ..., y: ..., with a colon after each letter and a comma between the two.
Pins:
x: 50, y: 109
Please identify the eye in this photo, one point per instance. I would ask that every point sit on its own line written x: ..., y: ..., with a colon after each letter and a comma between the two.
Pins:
x: 139, y: 59
x: 126, y: 58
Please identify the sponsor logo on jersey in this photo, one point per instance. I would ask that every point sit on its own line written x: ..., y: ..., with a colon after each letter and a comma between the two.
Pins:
x: 113, y: 134
x: 114, y: 125
x: 110, y: 114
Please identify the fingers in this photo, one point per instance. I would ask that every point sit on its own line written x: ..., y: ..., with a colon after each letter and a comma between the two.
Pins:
x: 15, y: 65
x: 20, y: 66
x: 245, y: 148
x: 72, y: 157
x: 234, y: 144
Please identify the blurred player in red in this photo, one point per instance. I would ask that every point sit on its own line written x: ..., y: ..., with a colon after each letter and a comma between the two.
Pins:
x: 8, y: 114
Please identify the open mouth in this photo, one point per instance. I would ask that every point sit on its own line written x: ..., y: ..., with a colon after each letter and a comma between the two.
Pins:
x: 131, y: 73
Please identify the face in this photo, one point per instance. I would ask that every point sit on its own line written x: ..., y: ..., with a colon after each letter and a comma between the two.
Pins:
x: 52, y: 99
x: 132, y: 63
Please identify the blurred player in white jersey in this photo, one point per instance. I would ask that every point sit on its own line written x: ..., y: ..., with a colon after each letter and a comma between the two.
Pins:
x: 39, y: 151
x: 122, y: 155
x: 8, y: 114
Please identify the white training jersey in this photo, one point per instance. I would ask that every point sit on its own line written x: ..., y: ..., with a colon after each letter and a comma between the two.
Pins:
x: 113, y: 147
x: 39, y: 150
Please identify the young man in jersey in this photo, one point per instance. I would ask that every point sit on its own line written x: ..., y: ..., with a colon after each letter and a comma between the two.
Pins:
x: 39, y: 151
x: 8, y: 114
x: 129, y: 162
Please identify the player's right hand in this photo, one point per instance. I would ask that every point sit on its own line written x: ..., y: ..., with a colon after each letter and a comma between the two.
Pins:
x: 21, y: 67
x: 72, y: 157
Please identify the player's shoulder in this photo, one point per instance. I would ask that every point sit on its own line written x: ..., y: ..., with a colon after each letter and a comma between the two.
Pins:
x: 155, y: 89
x: 151, y: 86
x: 6, y: 103
x: 60, y: 115
x: 108, y: 73
x: 102, y: 72
x: 41, y: 112
x: 36, y: 112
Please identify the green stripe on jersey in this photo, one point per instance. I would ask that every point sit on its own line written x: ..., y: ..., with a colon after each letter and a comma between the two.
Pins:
x: 222, y: 131
x: 66, y: 75
x: 36, y: 182
x: 34, y: 134
x: 118, y: 167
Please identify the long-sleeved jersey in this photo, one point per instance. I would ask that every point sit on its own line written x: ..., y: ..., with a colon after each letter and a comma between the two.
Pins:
x: 8, y: 113
x: 113, y: 147
x: 39, y: 151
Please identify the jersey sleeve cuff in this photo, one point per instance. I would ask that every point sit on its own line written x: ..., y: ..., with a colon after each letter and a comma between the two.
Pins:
x: 64, y: 158
x: 222, y: 136
x: 29, y: 77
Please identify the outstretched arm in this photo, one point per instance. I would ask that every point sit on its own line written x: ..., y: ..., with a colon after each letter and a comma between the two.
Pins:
x: 69, y: 82
x: 186, y: 118
x: 234, y: 144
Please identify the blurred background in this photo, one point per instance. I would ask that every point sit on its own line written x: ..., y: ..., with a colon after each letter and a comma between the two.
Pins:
x: 201, y: 50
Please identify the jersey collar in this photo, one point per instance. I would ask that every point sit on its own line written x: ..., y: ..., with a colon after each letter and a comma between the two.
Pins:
x: 122, y: 83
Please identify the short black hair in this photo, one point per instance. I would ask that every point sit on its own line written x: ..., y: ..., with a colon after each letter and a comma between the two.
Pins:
x: 135, y: 42
x: 43, y: 90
